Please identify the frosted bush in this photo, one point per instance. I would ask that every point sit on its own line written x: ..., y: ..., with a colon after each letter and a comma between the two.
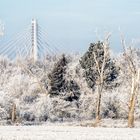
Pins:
x: 3, y: 114
x: 87, y: 107
x: 61, y: 110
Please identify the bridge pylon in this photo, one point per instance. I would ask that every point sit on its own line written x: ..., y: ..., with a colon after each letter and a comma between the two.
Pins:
x: 34, y: 39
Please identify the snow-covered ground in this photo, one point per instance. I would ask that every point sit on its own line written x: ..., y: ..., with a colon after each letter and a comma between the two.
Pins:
x: 67, y: 133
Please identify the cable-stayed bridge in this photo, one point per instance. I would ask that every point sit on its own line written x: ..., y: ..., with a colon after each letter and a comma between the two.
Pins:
x: 30, y: 43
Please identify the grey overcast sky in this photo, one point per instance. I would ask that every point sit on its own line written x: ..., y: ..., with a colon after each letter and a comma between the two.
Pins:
x: 72, y: 24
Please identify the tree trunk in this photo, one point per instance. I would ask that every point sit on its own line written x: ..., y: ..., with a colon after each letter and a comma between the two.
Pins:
x: 131, y: 112
x: 132, y: 102
x: 98, y: 117
x: 134, y: 91
x: 13, y: 115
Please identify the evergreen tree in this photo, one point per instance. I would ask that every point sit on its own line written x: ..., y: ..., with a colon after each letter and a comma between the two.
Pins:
x: 73, y: 91
x: 91, y: 72
x: 57, y: 80
x: 69, y: 90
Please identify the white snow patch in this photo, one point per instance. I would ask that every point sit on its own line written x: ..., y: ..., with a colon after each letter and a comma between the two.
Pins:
x: 67, y: 133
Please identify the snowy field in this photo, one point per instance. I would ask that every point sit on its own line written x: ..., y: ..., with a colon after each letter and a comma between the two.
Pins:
x: 67, y: 133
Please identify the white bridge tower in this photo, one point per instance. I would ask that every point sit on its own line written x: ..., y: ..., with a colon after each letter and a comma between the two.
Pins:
x: 34, y: 38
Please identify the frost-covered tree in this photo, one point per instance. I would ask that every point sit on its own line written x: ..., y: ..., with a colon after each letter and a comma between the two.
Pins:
x: 59, y: 85
x: 73, y: 91
x: 99, y: 69
x: 56, y: 77
x: 131, y: 69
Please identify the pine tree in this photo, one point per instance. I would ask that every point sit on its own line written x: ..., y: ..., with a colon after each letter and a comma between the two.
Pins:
x: 68, y: 89
x: 73, y: 91
x: 57, y: 80
x: 91, y: 72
